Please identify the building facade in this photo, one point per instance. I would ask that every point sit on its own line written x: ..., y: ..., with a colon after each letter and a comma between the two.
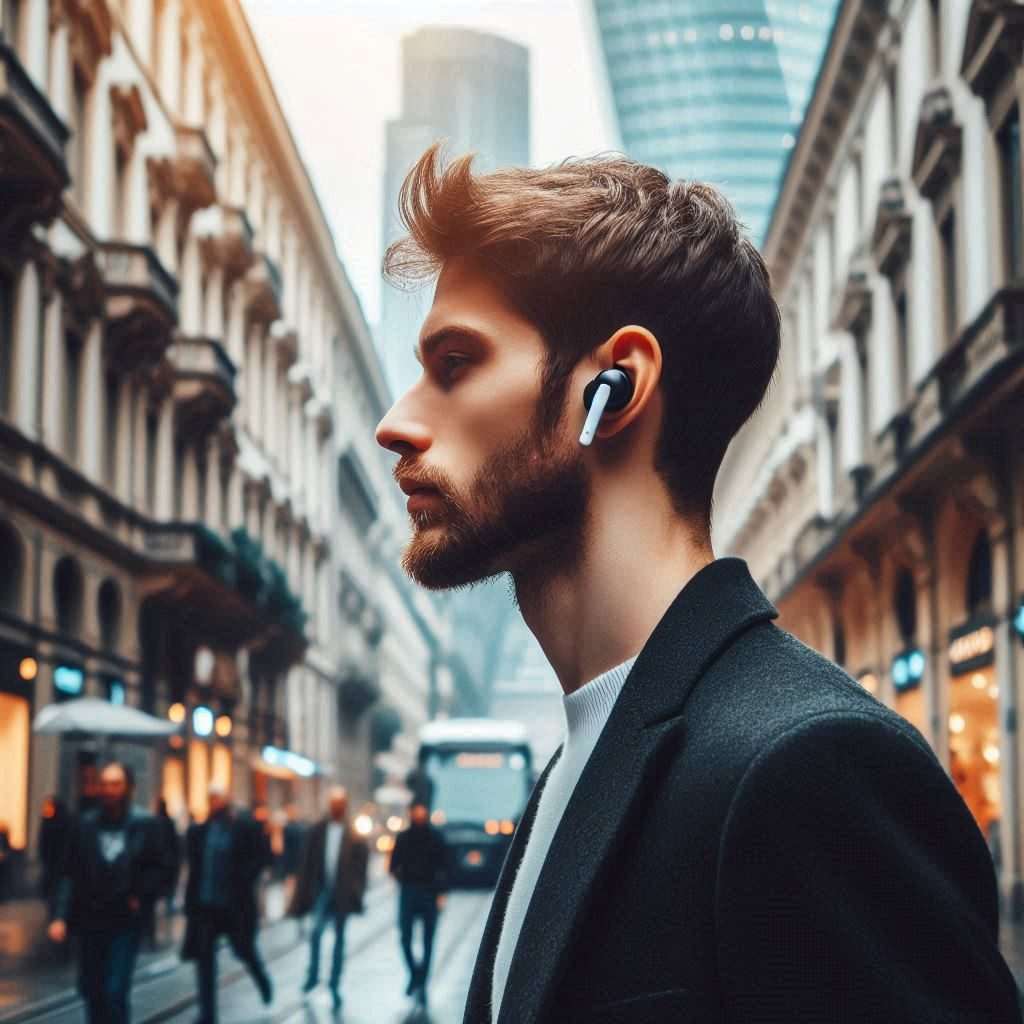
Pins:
x: 878, y: 494
x: 188, y: 394
x: 714, y: 90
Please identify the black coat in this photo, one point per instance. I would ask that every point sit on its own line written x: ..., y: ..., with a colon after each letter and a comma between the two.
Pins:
x: 349, y: 875
x: 755, y: 839
x: 250, y: 854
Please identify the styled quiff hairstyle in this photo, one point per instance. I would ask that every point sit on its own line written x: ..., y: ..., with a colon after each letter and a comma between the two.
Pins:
x: 591, y: 245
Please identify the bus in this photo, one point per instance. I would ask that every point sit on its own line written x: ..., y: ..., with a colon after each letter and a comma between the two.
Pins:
x: 475, y: 776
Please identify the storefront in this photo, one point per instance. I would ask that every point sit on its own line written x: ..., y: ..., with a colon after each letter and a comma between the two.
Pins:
x: 17, y: 677
x: 907, y: 672
x: 974, y: 742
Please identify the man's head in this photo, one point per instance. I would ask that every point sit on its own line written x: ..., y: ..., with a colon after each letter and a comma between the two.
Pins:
x: 116, y: 783
x: 337, y: 803
x: 418, y: 814
x: 217, y: 798
x: 546, y: 278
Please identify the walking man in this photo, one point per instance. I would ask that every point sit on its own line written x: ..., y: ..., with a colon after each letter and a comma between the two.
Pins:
x: 226, y: 855
x: 733, y: 829
x: 331, y: 883
x: 419, y: 863
x: 113, y: 868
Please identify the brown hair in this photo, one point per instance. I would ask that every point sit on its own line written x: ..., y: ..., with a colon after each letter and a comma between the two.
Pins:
x: 591, y: 245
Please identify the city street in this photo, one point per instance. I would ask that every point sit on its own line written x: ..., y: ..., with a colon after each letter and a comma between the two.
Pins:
x: 373, y: 981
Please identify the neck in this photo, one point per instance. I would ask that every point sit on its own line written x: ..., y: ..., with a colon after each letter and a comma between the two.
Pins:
x: 636, y: 556
x: 114, y: 812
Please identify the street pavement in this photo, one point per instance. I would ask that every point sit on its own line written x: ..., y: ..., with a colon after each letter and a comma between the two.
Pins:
x: 373, y: 980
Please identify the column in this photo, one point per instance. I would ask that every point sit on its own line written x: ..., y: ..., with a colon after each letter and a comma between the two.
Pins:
x: 851, y: 404
x: 169, y: 41
x: 59, y: 92
x: 126, y: 435
x: 236, y: 328
x: 253, y: 397
x: 885, y: 378
x: 167, y: 235
x: 165, y: 462
x: 213, y: 514
x: 140, y: 22
x: 53, y: 373
x: 140, y: 466
x: 190, y: 510
x: 35, y: 16
x: 193, y: 75
x: 98, y: 194
x: 25, y: 376
x: 236, y: 500
x: 190, y: 297
x: 91, y: 419
x: 268, y: 382
x: 295, y: 464
x: 136, y: 221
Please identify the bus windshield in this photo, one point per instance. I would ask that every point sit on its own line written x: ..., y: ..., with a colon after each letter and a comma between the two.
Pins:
x: 474, y: 786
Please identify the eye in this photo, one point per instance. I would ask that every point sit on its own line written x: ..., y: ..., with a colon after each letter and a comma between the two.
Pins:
x: 450, y: 362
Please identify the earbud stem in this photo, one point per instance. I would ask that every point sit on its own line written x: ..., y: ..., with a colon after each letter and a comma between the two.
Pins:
x: 594, y: 415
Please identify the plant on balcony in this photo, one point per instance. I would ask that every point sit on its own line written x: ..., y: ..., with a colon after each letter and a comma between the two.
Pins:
x: 216, y: 556
x: 263, y: 581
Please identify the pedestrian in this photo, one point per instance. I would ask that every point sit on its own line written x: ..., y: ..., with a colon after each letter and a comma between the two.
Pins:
x: 172, y: 843
x: 331, y: 883
x: 111, y: 875
x: 419, y: 863
x: 733, y: 828
x: 226, y: 855
x: 54, y: 827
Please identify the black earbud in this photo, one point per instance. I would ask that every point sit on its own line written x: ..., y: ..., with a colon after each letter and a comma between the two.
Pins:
x: 610, y: 390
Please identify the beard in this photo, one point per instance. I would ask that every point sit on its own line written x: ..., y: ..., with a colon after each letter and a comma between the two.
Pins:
x: 524, y: 513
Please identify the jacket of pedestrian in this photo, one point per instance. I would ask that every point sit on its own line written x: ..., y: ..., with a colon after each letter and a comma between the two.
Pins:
x: 349, y: 877
x: 85, y: 899
x: 420, y: 857
x: 755, y: 839
x: 250, y: 854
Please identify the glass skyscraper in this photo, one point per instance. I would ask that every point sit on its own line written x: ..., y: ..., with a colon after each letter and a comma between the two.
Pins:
x: 715, y: 89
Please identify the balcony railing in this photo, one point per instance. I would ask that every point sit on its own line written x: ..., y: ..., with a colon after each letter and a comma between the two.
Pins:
x: 265, y: 289
x: 204, y: 382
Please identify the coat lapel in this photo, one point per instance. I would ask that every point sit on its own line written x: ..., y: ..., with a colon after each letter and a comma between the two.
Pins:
x: 478, y: 1002
x: 716, y: 605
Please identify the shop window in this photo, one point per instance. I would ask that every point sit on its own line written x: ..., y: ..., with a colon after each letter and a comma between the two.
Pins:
x: 72, y: 388
x: 949, y: 280
x: 14, y: 740
x: 109, y: 614
x: 12, y: 559
x: 979, y: 576
x: 1008, y: 141
x: 6, y: 342
x: 906, y: 607
x: 67, y: 589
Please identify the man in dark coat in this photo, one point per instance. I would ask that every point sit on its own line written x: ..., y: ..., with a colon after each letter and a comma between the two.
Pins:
x: 419, y: 863
x: 225, y: 855
x: 331, y: 884
x: 734, y: 830
x: 113, y: 868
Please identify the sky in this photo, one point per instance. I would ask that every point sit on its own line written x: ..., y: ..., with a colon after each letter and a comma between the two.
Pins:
x: 336, y: 68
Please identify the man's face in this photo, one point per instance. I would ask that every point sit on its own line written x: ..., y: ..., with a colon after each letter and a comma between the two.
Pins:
x: 217, y: 802
x: 337, y: 806
x: 113, y: 788
x: 505, y: 495
x: 419, y: 814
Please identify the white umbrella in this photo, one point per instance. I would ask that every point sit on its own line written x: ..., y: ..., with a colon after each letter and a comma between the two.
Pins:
x: 92, y: 716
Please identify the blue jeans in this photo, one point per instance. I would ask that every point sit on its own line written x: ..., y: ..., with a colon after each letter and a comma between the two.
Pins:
x: 324, y: 913
x: 417, y: 902
x: 106, y: 962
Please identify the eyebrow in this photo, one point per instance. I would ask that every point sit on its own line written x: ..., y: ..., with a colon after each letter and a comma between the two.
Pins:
x: 427, y: 345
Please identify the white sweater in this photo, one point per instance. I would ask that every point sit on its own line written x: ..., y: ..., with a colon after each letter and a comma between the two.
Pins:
x: 586, y: 711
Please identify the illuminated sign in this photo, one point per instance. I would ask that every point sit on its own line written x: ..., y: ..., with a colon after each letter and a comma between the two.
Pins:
x: 289, y: 759
x: 908, y: 669
x: 115, y: 690
x: 479, y: 760
x: 202, y: 721
x: 69, y: 679
x: 971, y: 648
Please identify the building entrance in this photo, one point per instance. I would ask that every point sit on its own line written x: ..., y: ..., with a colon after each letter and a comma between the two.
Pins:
x: 974, y: 743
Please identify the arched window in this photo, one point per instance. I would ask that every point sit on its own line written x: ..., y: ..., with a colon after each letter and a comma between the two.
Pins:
x: 67, y: 589
x: 979, y: 575
x: 109, y: 614
x: 905, y: 606
x: 12, y: 558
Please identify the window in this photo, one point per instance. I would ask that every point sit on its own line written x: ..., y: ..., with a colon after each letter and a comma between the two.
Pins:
x: 120, y: 205
x: 179, y: 480
x: 79, y: 147
x: 152, y: 429
x: 225, y: 494
x: 979, y: 576
x: 892, y: 90
x: 949, y: 281
x: 935, y: 32
x: 201, y: 464
x: 6, y: 342
x: 72, y: 386
x: 67, y: 588
x: 109, y: 614
x: 905, y: 602
x: 902, y: 349
x: 1008, y: 141
x: 112, y: 398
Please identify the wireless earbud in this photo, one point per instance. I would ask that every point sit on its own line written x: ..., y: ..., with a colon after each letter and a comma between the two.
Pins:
x: 610, y: 389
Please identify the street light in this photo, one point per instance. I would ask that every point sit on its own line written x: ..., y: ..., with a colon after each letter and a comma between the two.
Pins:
x: 223, y: 726
x: 202, y: 721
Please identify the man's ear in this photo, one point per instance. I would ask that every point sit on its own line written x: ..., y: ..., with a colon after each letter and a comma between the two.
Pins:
x: 637, y: 351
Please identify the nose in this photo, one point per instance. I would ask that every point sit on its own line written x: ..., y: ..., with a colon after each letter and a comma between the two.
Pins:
x: 402, y: 433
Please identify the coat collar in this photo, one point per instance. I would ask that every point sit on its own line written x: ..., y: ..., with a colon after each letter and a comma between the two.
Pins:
x: 714, y: 607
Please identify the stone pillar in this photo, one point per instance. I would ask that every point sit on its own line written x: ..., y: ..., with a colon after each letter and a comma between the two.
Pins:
x: 140, y: 25
x: 239, y: 160
x: 190, y: 510
x: 851, y: 404
x: 213, y: 315
x: 165, y: 482
x: 91, y: 421
x: 268, y: 382
x: 97, y: 193
x: 169, y: 41
x: 35, y: 16
x: 126, y: 434
x: 885, y: 377
x: 253, y: 397
x: 191, y: 297
x: 236, y: 500
x: 140, y: 460
x: 59, y: 92
x: 53, y: 370
x: 236, y: 329
x: 25, y: 377
x: 167, y: 235
x: 137, y: 228
x: 213, y: 514
x: 193, y: 111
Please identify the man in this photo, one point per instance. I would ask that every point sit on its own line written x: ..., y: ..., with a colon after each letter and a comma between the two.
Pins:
x: 112, y: 871
x: 733, y: 829
x: 331, y: 883
x: 225, y: 854
x: 419, y: 863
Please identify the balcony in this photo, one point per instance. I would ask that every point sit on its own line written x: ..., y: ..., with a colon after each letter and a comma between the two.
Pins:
x: 938, y: 145
x: 891, y: 238
x: 204, y: 384
x: 190, y: 173
x: 141, y: 304
x: 993, y: 48
x: 226, y: 238
x: 286, y: 341
x: 851, y: 304
x: 264, y: 289
x: 33, y: 170
x: 322, y: 414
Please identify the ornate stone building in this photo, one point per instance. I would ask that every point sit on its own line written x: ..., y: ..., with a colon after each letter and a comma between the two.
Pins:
x: 879, y: 493
x: 188, y: 393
